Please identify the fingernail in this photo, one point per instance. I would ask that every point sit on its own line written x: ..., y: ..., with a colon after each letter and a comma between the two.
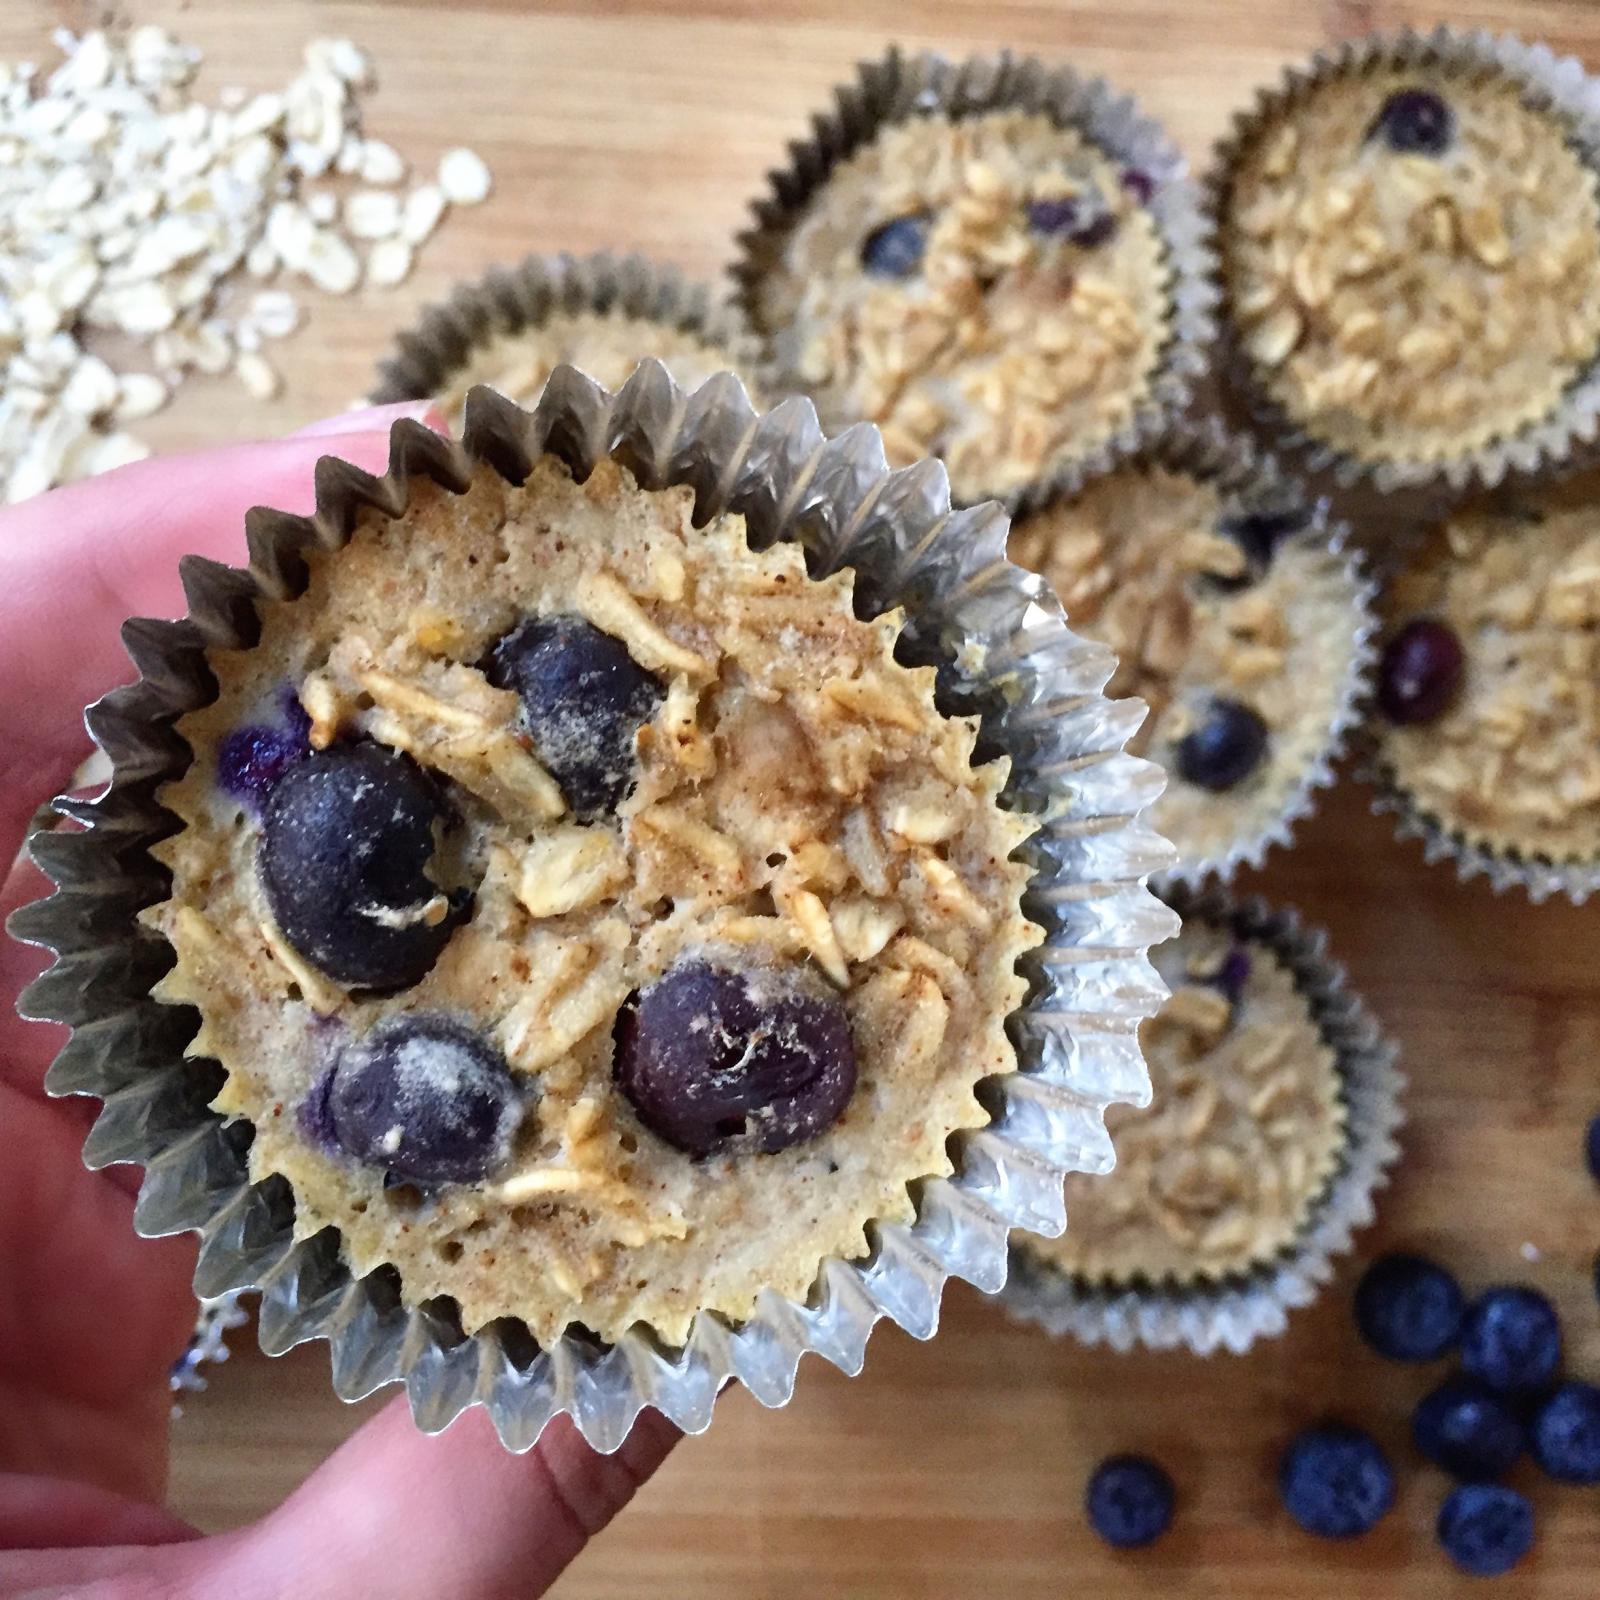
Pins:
x: 374, y: 419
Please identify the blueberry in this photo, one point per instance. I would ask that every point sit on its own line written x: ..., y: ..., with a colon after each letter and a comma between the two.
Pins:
x: 347, y: 838
x: 1129, y: 1501
x: 1467, y: 1429
x: 1139, y: 184
x: 1485, y: 1529
x: 1336, y: 1481
x: 1224, y: 749
x: 1591, y: 1149
x: 585, y: 699
x: 1511, y: 1339
x: 895, y: 249
x: 759, y: 1059
x: 1409, y: 1308
x: 1084, y: 224
x: 1233, y: 974
x: 1259, y: 533
x: 1415, y: 122
x: 1420, y: 672
x: 251, y: 759
x: 1566, y: 1433
x: 424, y: 1098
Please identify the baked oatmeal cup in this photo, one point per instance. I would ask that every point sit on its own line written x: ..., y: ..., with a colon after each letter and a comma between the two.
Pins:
x: 1408, y: 232
x: 999, y: 265
x: 1275, y: 1106
x: 588, y: 931
x: 1486, y: 734
x: 1235, y: 613
x: 602, y: 314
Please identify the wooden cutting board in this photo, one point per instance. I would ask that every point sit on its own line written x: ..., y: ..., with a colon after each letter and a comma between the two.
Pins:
x: 955, y: 1469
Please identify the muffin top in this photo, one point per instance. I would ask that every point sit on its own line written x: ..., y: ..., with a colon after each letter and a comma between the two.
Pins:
x: 991, y: 290
x: 1412, y: 258
x: 592, y: 917
x: 607, y: 345
x: 1230, y: 617
x: 1246, y: 1129
x: 1490, y: 680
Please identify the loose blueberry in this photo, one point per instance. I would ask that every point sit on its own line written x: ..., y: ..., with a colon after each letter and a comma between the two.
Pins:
x: 585, y: 699
x: 1467, y: 1429
x: 1336, y: 1481
x: 425, y: 1099
x: 1485, y: 1529
x: 347, y: 838
x: 1591, y: 1149
x: 1415, y: 122
x: 1420, y: 672
x: 1233, y: 974
x: 896, y: 249
x: 758, y: 1059
x: 1409, y: 1308
x: 1224, y: 749
x: 1566, y: 1433
x: 1511, y: 1339
x: 251, y: 759
x: 1259, y: 533
x: 1129, y: 1501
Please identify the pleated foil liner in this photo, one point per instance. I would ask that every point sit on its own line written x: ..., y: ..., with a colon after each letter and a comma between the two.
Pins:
x: 1038, y: 689
x: 511, y: 300
x: 1206, y: 448
x: 1235, y: 1312
x: 1539, y: 878
x: 1549, y: 82
x: 895, y: 88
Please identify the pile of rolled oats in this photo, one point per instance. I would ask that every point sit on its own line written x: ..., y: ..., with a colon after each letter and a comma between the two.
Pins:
x: 132, y: 211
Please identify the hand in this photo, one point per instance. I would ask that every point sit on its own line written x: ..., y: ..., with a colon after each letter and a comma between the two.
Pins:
x: 91, y: 1316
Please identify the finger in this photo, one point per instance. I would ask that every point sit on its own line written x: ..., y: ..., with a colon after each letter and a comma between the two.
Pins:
x: 37, y: 1513
x: 369, y: 418
x: 74, y: 563
x: 397, y: 1513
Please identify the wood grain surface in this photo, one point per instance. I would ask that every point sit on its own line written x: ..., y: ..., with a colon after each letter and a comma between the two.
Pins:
x: 956, y: 1468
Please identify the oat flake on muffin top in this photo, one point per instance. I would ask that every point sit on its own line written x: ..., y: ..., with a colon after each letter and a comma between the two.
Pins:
x: 991, y: 290
x: 751, y: 839
x: 1412, y: 258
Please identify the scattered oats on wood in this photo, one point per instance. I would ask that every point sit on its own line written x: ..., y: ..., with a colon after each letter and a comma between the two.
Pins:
x: 464, y: 177
x: 129, y: 207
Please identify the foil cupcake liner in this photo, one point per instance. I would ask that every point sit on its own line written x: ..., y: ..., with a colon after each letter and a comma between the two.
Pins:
x: 1209, y: 450
x: 1505, y: 870
x: 1235, y: 1312
x: 510, y: 300
x: 1539, y: 878
x: 1549, y: 82
x: 1037, y: 689
x: 895, y: 88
